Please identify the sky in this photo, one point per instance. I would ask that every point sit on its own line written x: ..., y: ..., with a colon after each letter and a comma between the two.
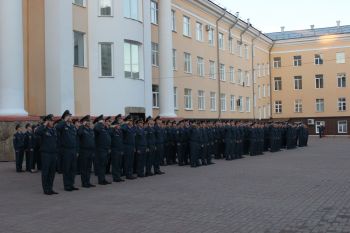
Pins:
x: 270, y: 15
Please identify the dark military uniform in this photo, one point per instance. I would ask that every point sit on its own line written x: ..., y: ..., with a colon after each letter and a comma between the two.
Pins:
x: 117, y: 153
x: 49, y: 150
x: 228, y: 142
x: 152, y: 150
x: 141, y: 150
x: 18, y: 144
x: 86, y: 153
x: 29, y: 144
x: 103, y: 145
x: 160, y: 140
x: 195, y: 140
x: 69, y: 148
x: 180, y: 145
x: 129, y: 134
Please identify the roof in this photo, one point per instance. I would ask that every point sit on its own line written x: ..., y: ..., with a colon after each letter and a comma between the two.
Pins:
x: 308, y: 33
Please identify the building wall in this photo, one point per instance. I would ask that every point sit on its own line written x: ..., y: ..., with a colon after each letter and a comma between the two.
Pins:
x: 207, y: 14
x: 112, y: 95
x: 328, y: 46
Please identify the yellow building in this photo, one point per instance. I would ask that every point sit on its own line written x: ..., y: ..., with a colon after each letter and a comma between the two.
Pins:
x: 309, y: 77
x: 219, y: 63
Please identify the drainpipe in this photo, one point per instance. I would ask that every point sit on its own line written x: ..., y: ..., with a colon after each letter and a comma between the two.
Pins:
x: 233, y: 25
x: 218, y: 62
x: 270, y: 80
x: 244, y: 31
x: 253, y: 72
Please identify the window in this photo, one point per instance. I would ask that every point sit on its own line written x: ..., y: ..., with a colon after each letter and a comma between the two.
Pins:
x: 154, y: 12
x: 221, y: 41
x: 246, y: 52
x: 106, y: 59
x: 340, y: 58
x: 298, y: 106
x: 264, y: 91
x: 342, y: 104
x: 155, y: 94
x: 239, y: 48
x: 212, y: 101
x: 188, y: 63
x: 319, y: 105
x: 223, y: 102
x: 277, y: 62
x: 240, y: 103
x: 222, y: 72
x: 212, y: 69
x: 247, y: 104
x: 132, y: 60
x: 319, y: 81
x: 260, y: 113
x: 240, y: 78
x: 188, y: 99
x: 200, y: 66
x: 298, y: 82
x: 186, y: 26
x: 278, y: 83
x: 211, y: 36
x: 175, y: 98
x: 79, y: 49
x: 232, y: 103
x: 318, y: 59
x: 232, y: 74
x: 247, y: 77
x: 199, y: 31
x: 297, y: 60
x: 268, y: 90
x: 263, y: 70
x: 131, y: 9
x: 173, y: 20
x: 341, y: 80
x: 80, y: 2
x: 343, y: 126
x: 264, y: 112
x: 230, y: 45
x: 201, y: 100
x: 259, y: 92
x: 174, y: 59
x: 278, y: 106
x: 105, y: 7
x: 155, y: 54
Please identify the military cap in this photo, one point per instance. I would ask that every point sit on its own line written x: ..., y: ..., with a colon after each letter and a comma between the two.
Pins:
x: 108, y: 118
x: 66, y: 113
x: 18, y: 126
x: 97, y: 119
x: 138, y: 121
x: 48, y: 118
x: 148, y: 119
x: 157, y: 118
x: 127, y: 118
x: 115, y: 122
x: 28, y: 125
x: 118, y: 116
x: 85, y: 118
x: 75, y: 120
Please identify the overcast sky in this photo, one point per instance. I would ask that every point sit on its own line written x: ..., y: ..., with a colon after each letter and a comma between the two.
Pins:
x: 270, y: 15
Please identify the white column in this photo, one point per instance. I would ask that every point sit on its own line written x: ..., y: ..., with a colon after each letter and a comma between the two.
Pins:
x: 166, y: 82
x: 59, y: 56
x: 11, y: 59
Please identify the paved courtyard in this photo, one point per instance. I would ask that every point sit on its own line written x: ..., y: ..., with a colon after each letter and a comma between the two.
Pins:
x: 303, y: 190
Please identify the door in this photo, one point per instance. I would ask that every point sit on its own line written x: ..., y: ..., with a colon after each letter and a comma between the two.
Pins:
x: 318, y: 124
